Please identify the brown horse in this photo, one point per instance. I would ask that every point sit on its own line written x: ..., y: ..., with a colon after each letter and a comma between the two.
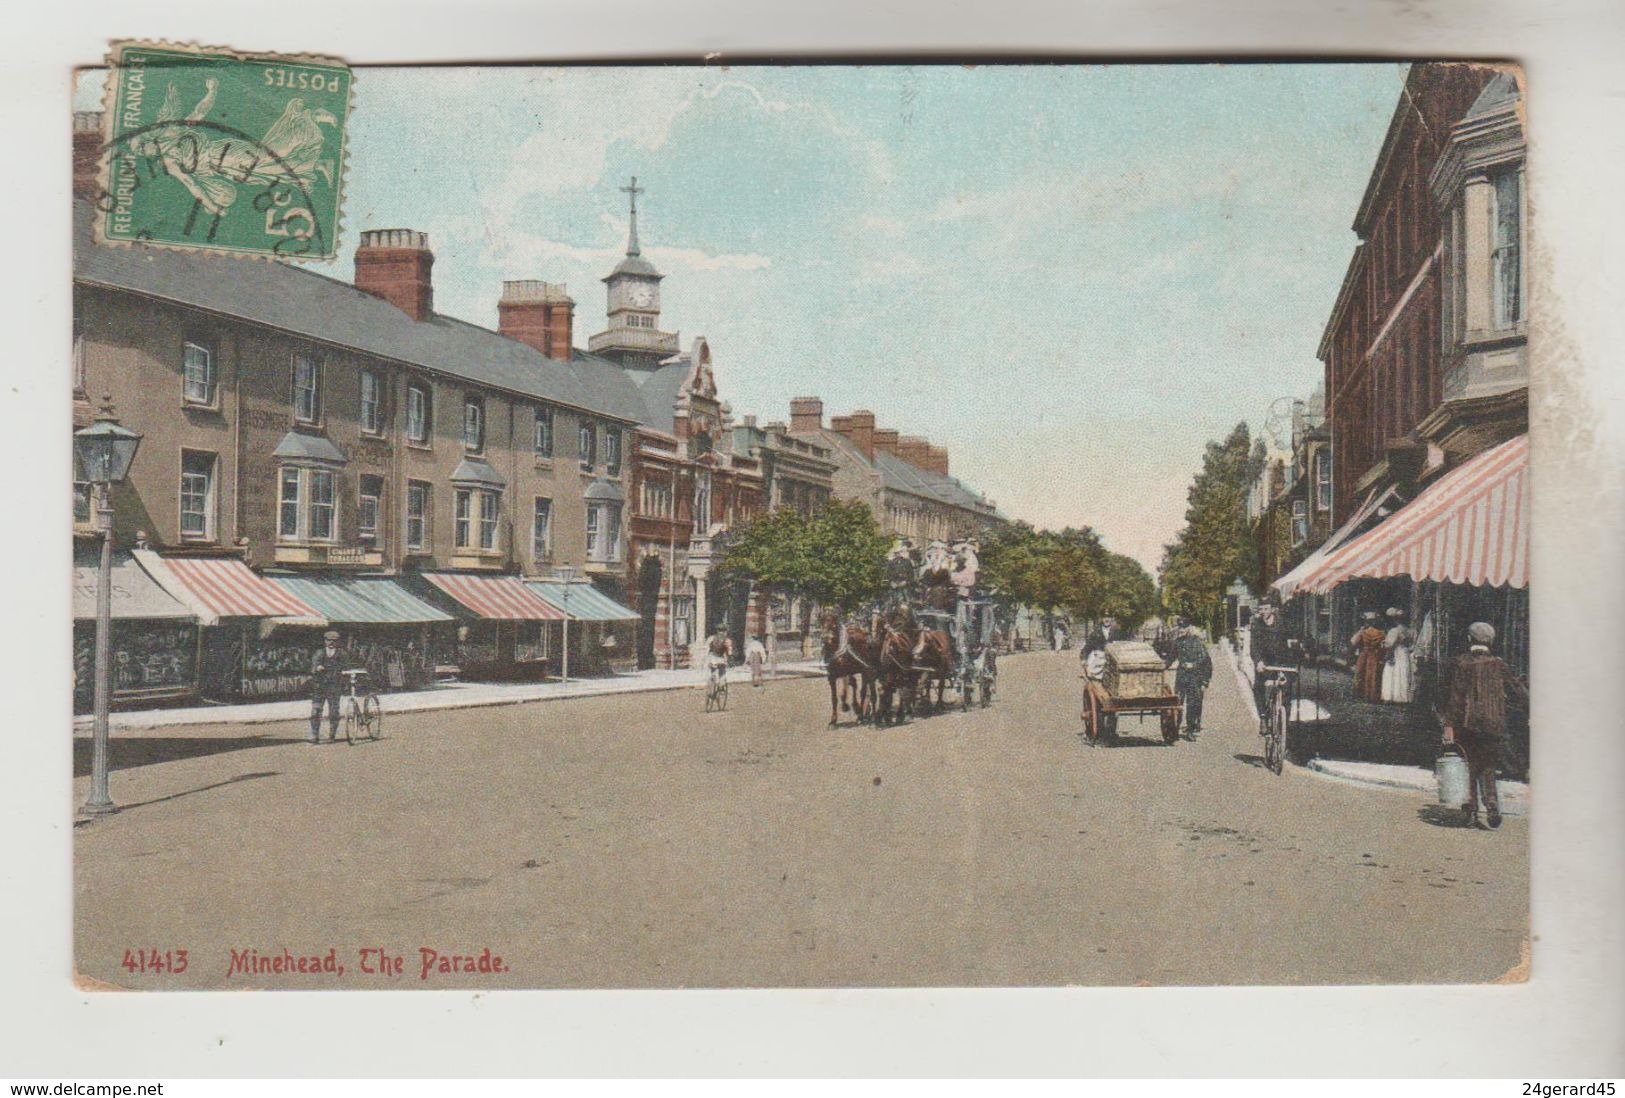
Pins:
x: 852, y: 665
x: 935, y: 659
x: 898, y: 678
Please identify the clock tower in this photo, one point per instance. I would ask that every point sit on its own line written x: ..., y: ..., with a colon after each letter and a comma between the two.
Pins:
x: 633, y: 337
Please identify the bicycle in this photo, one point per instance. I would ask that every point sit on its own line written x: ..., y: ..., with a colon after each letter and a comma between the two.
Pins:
x: 1276, y: 717
x: 716, y: 690
x: 363, y: 713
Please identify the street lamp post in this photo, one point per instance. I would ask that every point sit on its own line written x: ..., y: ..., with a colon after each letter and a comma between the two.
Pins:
x: 102, y: 454
x: 564, y: 574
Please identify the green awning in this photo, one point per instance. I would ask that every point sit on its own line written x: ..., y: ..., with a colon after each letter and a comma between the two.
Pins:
x: 585, y: 602
x: 360, y: 600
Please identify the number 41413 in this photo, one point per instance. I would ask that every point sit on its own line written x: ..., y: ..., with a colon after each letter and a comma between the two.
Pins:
x: 170, y: 962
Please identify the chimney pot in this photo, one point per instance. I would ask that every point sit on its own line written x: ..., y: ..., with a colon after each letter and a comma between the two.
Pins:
x: 863, y: 431
x: 397, y: 266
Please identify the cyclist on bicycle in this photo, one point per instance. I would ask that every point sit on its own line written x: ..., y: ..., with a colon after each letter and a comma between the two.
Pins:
x: 718, y: 649
x: 1268, y: 646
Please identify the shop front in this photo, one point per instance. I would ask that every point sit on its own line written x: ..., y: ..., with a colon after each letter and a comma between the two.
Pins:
x: 504, y: 630
x: 154, y: 638
x: 251, y: 645
x: 603, y: 633
x: 386, y: 629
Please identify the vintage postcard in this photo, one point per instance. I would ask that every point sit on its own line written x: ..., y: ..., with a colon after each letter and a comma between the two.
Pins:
x: 799, y: 526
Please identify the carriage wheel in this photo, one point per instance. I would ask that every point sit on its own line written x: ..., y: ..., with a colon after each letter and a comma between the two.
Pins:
x: 1170, y: 726
x: 1091, y: 718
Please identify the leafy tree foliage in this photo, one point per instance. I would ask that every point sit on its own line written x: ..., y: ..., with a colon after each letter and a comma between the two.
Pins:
x: 1066, y: 570
x: 837, y: 557
x: 1214, y: 547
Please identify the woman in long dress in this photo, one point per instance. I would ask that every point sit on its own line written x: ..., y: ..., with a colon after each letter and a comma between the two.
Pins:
x: 1398, y: 672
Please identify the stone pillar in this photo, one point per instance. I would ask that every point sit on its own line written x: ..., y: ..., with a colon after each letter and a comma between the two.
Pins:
x: 697, y: 647
x: 1478, y: 208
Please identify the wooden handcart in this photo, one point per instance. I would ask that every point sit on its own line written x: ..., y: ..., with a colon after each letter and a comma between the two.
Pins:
x: 1134, y: 683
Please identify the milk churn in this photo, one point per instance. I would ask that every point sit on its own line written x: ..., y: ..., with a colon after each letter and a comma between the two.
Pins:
x: 1451, y: 772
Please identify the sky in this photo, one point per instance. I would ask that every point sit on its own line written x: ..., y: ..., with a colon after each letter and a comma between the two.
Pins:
x: 1072, y: 277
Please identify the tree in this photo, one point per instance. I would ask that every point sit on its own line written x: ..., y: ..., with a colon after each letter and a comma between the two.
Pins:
x: 1213, y: 548
x: 845, y: 555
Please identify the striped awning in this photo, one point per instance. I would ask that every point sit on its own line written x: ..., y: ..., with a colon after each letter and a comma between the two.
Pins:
x: 1471, y: 526
x: 360, y: 600
x: 583, y: 603
x: 224, y: 587
x: 134, y: 593
x: 500, y: 598
x: 1287, y: 585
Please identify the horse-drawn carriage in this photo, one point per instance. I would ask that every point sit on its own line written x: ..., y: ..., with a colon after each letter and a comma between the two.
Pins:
x: 936, y: 627
x: 1129, y: 678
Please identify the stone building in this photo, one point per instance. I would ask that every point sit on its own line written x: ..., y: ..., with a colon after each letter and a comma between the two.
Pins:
x: 319, y: 452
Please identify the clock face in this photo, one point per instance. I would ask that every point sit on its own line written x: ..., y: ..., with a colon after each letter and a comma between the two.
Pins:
x: 641, y: 295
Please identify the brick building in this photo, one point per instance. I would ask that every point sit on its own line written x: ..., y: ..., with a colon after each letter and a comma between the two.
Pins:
x: 689, y: 486
x: 1427, y: 373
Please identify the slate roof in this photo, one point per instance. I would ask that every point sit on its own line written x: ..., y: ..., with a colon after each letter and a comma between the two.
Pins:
x: 1496, y: 95
x: 658, y: 389
x: 897, y: 474
x: 317, y: 307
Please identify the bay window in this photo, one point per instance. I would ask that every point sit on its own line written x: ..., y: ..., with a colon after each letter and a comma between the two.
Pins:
x: 307, y: 504
x: 475, y: 518
x: 1506, y: 256
x: 603, y: 532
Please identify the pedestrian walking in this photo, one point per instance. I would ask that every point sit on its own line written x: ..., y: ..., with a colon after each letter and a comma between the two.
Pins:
x: 1193, y: 670
x: 326, y: 687
x: 1368, y: 658
x: 1398, y: 670
x: 1478, y: 687
x: 755, y: 658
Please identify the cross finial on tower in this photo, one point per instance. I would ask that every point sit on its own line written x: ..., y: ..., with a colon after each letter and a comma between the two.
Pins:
x: 632, y: 190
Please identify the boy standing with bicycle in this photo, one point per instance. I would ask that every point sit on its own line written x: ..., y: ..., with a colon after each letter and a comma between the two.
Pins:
x: 326, y: 687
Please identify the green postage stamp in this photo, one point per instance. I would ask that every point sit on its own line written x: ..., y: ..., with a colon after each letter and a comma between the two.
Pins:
x: 213, y: 150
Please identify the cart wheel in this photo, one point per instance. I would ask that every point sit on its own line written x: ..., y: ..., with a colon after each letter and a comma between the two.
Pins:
x: 1091, y: 718
x: 1170, y: 726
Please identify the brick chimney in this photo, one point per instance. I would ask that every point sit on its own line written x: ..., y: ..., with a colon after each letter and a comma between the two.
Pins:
x: 540, y: 314
x: 886, y: 440
x: 806, y: 414
x: 914, y: 450
x: 863, y: 431
x: 396, y: 264
x: 939, y: 460
x: 841, y: 425
x: 87, y: 150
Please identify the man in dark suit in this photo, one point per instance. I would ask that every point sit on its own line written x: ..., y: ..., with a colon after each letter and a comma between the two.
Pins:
x: 326, y: 687
x: 1193, y: 670
x: 1478, y: 687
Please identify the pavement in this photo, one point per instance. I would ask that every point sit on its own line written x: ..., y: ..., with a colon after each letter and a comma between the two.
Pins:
x: 1514, y: 796
x: 633, y: 840
x: 448, y: 695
